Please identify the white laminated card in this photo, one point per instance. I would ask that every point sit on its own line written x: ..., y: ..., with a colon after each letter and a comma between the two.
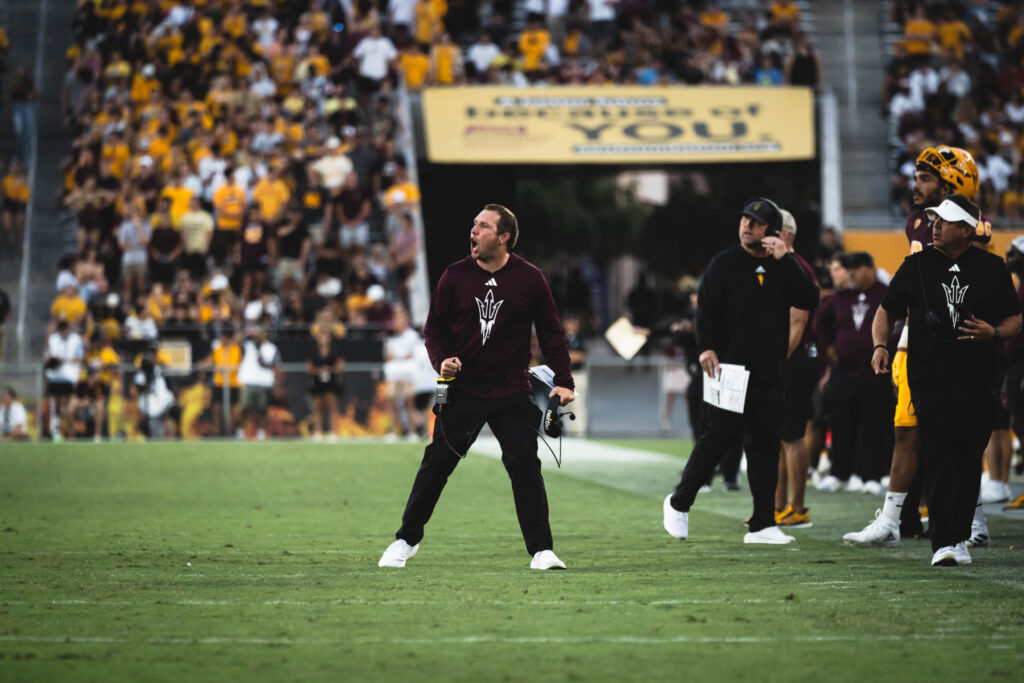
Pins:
x: 728, y: 390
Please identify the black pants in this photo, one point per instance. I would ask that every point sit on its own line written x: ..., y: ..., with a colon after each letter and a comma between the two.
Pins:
x: 512, y: 420
x: 861, y: 410
x: 954, y: 433
x: 757, y: 430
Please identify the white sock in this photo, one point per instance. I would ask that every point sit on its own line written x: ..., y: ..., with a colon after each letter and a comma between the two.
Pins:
x: 979, y: 512
x: 893, y: 505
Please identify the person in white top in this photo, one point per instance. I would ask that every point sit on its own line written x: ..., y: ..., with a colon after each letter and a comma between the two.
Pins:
x: 64, y: 355
x: 481, y: 55
x: 400, y: 368
x: 375, y: 54
x: 13, y: 419
x: 402, y: 13
x: 334, y: 166
x: 258, y: 373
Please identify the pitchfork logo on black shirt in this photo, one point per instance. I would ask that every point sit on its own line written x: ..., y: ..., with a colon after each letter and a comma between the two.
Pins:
x: 488, y: 309
x: 954, y: 299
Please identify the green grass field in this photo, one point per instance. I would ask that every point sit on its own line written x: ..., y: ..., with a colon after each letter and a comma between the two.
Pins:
x: 257, y: 562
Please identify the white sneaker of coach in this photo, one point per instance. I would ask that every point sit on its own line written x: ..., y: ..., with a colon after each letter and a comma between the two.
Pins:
x: 945, y: 557
x: 546, y: 559
x: 963, y: 556
x: 397, y: 553
x: 770, y: 535
x: 676, y: 523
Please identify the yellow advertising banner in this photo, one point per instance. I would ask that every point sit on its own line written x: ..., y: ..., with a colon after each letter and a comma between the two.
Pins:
x: 618, y: 125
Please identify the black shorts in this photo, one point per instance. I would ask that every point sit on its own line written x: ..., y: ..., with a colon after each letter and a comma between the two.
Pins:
x: 59, y: 389
x: 218, y: 395
x: 800, y: 380
x: 14, y: 206
x: 423, y: 399
x: 318, y: 388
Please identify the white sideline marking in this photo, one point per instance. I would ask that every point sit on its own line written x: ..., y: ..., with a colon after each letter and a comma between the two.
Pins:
x: 584, y: 451
x: 501, y: 640
x: 381, y: 603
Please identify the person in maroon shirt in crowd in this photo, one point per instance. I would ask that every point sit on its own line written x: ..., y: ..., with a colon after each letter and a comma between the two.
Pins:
x: 861, y: 402
x: 478, y: 336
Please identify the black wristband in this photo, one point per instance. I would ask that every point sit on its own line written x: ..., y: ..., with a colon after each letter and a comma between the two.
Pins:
x: 995, y: 334
x: 880, y: 346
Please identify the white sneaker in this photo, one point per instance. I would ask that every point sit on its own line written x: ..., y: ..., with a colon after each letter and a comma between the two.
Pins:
x: 993, y: 491
x: 676, y: 523
x: 872, y: 487
x: 318, y: 437
x: 881, y: 532
x: 828, y: 484
x: 397, y: 553
x: 963, y: 556
x: 979, y: 534
x: 854, y: 484
x: 546, y: 559
x: 885, y: 482
x: 945, y: 556
x: 261, y: 434
x: 706, y: 488
x: 770, y: 535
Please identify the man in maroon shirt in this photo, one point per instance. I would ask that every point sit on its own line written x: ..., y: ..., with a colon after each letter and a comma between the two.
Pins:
x: 860, y: 402
x: 478, y: 335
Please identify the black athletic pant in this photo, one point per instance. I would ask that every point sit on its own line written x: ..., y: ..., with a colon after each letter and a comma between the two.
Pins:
x: 861, y: 410
x: 954, y: 433
x: 512, y: 419
x: 757, y: 430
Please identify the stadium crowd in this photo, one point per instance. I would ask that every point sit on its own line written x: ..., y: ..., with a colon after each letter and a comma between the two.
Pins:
x: 956, y: 77
x: 235, y: 171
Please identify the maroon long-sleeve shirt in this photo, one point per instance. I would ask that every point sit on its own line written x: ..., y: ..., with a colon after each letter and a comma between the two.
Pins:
x: 485, y: 320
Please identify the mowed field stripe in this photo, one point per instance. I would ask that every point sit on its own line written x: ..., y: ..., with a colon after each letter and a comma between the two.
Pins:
x: 516, y: 640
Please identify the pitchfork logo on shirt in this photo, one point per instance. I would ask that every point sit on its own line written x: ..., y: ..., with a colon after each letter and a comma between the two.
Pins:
x: 488, y: 313
x: 860, y: 311
x: 954, y: 299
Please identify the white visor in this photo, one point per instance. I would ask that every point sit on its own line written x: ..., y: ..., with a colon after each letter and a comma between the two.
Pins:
x: 950, y: 211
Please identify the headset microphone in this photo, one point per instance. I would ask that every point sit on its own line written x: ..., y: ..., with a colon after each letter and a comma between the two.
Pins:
x: 553, y: 418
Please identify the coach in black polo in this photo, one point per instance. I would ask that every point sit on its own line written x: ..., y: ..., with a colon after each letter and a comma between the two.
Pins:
x: 961, y: 304
x: 743, y: 309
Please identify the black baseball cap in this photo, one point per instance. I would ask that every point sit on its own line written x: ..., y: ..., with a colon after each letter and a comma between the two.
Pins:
x: 763, y: 211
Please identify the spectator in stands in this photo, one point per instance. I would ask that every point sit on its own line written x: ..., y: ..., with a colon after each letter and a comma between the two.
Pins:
x: 445, y: 62
x: 196, y: 234
x: 13, y: 418
x: 258, y: 373
x: 63, y: 362
x: 257, y: 252
x: 480, y: 56
x: 324, y: 368
x: 68, y: 306
x: 15, y: 200
x: 352, y: 208
x: 23, y: 116
x: 293, y: 250
x: 415, y: 67
x: 133, y: 240
x: 803, y: 65
x: 223, y: 362
x: 165, y: 245
x: 375, y: 54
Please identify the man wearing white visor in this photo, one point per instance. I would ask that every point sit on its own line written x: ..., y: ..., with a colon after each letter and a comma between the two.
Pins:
x: 961, y: 305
